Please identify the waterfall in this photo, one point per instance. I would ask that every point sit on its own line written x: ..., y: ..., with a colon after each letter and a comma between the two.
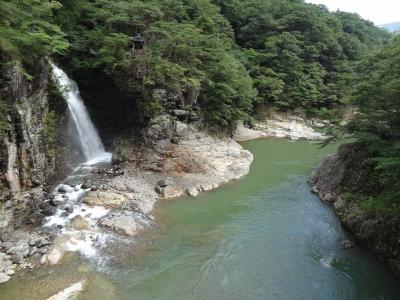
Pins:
x: 88, y: 137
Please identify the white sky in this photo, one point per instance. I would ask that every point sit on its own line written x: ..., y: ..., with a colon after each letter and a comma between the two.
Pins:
x: 378, y: 11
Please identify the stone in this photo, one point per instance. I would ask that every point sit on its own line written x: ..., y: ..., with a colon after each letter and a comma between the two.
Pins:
x: 62, y: 190
x: 106, y: 199
x: 85, y: 186
x: 18, y: 257
x: 164, y: 182
x: 69, y: 208
x: 42, y: 242
x: 32, y: 242
x: 70, y: 292
x: 54, y: 257
x: 171, y: 191
x: 346, y: 244
x: 125, y: 222
x: 192, y: 192
x: 79, y: 223
x: 4, y: 277
x: 10, y: 272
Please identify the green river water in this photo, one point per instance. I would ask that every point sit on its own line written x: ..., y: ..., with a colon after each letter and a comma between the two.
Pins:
x: 262, y: 237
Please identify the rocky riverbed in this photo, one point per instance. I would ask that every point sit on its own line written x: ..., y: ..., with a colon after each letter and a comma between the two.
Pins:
x: 280, y: 125
x: 100, y: 204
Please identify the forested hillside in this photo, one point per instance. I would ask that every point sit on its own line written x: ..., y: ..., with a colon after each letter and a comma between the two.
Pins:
x: 227, y: 56
x: 377, y: 126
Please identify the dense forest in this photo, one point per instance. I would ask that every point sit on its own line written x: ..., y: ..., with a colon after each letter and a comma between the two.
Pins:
x: 224, y: 59
x: 233, y: 55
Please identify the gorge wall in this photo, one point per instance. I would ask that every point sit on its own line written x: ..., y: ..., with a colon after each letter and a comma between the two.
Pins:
x: 346, y: 180
x: 28, y: 151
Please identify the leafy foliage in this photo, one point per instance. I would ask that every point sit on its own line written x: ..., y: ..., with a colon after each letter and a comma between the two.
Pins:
x: 377, y: 125
x: 27, y: 31
x: 300, y: 55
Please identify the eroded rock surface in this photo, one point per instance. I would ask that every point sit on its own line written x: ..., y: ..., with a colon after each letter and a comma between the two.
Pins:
x: 279, y: 126
x: 341, y: 180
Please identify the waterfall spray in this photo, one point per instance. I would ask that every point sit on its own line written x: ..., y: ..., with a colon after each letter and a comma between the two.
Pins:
x: 88, y: 137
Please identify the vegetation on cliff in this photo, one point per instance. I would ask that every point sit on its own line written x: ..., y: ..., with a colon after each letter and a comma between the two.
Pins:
x: 227, y: 56
x: 377, y: 125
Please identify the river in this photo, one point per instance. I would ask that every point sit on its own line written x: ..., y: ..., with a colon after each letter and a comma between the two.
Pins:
x: 262, y: 237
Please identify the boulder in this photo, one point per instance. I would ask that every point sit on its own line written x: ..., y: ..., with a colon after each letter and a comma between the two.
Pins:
x: 54, y: 257
x: 4, y: 277
x: 171, y: 191
x: 79, y: 223
x: 106, y: 199
x: 70, y: 292
x: 125, y: 222
x: 192, y: 192
x: 164, y: 182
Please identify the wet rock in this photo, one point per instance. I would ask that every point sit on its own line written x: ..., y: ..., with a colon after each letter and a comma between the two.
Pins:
x: 47, y: 209
x: 69, y: 208
x: 102, y: 198
x: 54, y: 257
x: 10, y: 272
x: 79, y: 223
x: 115, y: 159
x: 85, y: 186
x: 346, y: 244
x: 62, y: 190
x: 70, y: 292
x: 171, y: 191
x: 125, y: 222
x: 4, y: 277
x: 192, y: 192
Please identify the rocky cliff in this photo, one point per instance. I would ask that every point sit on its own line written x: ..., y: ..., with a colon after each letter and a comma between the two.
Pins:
x: 345, y: 180
x: 27, y: 157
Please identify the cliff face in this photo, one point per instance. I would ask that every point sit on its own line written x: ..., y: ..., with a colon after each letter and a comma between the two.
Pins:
x: 343, y: 180
x: 25, y: 163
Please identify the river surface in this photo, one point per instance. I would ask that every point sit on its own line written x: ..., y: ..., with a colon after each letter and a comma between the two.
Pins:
x: 262, y: 237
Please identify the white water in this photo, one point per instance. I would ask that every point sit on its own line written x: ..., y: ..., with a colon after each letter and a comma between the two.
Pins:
x: 89, y: 139
x: 70, y: 200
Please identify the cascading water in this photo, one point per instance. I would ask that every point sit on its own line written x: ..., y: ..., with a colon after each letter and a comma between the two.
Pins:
x: 68, y: 195
x: 89, y: 139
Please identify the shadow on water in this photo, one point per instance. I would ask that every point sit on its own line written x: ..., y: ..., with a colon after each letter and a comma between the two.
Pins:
x: 263, y: 237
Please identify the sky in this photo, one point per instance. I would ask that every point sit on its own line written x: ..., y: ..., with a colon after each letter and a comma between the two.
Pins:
x: 378, y: 11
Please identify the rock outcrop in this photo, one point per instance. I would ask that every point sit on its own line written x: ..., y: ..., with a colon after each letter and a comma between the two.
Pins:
x: 343, y: 180
x: 190, y: 158
x: 279, y: 125
x: 25, y: 166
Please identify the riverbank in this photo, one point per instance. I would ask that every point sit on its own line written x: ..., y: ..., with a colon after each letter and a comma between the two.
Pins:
x: 234, y: 241
x: 280, y: 125
x: 345, y: 180
x: 168, y: 160
x: 117, y: 199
